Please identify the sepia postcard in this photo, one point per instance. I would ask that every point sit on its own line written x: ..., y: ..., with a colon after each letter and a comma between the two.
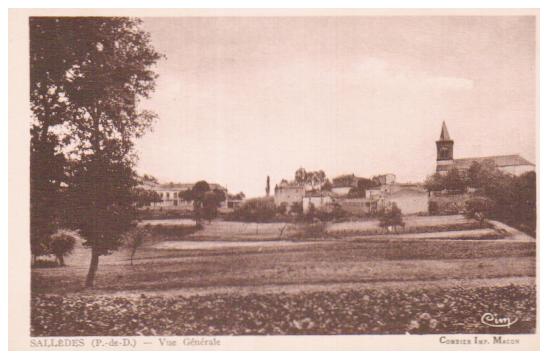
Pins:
x: 273, y: 179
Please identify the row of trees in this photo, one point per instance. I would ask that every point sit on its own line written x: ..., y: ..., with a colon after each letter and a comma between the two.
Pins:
x: 315, y: 179
x: 480, y: 175
x: 499, y: 195
x: 87, y: 77
x: 204, y: 199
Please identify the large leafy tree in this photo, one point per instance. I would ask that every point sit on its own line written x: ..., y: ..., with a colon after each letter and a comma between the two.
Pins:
x: 205, y: 201
x: 500, y: 195
x: 50, y: 58
x: 103, y: 67
x: 391, y: 216
x: 314, y: 179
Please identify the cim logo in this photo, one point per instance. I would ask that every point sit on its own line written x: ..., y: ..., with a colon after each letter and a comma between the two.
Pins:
x: 493, y: 320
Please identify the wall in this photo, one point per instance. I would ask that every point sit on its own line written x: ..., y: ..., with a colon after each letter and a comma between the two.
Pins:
x: 360, y: 205
x: 318, y: 202
x: 288, y: 195
x: 341, y: 190
x: 410, y: 201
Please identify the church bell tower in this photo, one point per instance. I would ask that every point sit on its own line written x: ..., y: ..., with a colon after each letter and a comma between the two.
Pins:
x: 445, y: 150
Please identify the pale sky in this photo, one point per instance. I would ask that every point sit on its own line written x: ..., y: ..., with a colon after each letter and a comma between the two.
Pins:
x: 240, y: 98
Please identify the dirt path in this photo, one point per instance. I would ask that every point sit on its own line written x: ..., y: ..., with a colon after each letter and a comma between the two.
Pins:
x: 512, y: 232
x: 328, y: 287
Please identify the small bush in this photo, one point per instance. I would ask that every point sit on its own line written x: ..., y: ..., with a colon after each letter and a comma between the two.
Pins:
x: 433, y: 208
x: 391, y: 216
x: 311, y: 213
x: 62, y: 244
x: 296, y: 208
x: 479, y: 208
x: 256, y: 210
x: 44, y: 263
x: 311, y: 230
x: 282, y: 208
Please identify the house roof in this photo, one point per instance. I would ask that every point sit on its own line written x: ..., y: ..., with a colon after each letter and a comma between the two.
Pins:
x: 184, y: 186
x: 500, y: 161
x: 407, y: 189
x: 289, y: 186
x: 319, y: 194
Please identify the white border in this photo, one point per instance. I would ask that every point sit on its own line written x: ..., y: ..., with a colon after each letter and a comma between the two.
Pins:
x: 272, y: 4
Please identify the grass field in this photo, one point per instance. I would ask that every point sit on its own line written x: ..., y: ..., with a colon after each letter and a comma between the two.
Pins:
x: 179, y: 272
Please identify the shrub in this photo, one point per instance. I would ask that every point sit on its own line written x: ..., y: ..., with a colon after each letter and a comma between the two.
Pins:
x: 391, y: 216
x: 296, y: 208
x: 433, y: 208
x: 479, y: 208
x: 311, y: 230
x: 44, y: 263
x: 62, y: 244
x: 332, y: 213
x: 311, y: 213
x: 256, y: 210
x: 338, y: 212
x: 282, y: 208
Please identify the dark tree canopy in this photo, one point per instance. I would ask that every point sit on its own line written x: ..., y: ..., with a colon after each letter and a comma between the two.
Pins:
x: 144, y: 197
x: 312, y: 178
x: 205, y: 200
x: 391, y: 216
x: 88, y: 75
x: 500, y: 195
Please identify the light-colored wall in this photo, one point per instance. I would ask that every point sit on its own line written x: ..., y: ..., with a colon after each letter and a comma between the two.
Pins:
x: 341, y: 190
x: 318, y: 202
x: 170, y: 198
x: 361, y: 205
x: 410, y: 201
x: 288, y: 195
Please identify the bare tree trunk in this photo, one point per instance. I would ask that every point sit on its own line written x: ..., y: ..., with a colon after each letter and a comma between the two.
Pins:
x: 61, y: 261
x: 92, y: 268
x: 282, y: 231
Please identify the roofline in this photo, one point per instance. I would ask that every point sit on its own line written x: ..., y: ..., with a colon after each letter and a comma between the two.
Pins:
x: 489, y: 157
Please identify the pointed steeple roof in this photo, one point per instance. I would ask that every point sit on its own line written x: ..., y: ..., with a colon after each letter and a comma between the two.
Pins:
x: 444, y: 136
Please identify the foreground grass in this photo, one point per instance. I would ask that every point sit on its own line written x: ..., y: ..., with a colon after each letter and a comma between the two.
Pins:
x: 386, y: 311
x: 315, y: 263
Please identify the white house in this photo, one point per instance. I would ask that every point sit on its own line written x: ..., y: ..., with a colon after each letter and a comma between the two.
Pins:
x: 170, y: 195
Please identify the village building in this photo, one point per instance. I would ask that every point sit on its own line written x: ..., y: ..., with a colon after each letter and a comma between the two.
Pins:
x: 170, y: 195
x: 288, y: 193
x: 410, y: 198
x: 344, y: 183
x: 385, y: 179
x: 234, y: 201
x: 319, y: 199
x: 513, y: 164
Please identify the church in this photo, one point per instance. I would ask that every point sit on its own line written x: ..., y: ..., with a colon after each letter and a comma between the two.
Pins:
x: 513, y: 164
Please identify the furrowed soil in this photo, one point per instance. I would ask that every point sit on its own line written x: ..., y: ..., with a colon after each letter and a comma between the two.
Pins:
x: 390, y: 311
x: 356, y: 285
